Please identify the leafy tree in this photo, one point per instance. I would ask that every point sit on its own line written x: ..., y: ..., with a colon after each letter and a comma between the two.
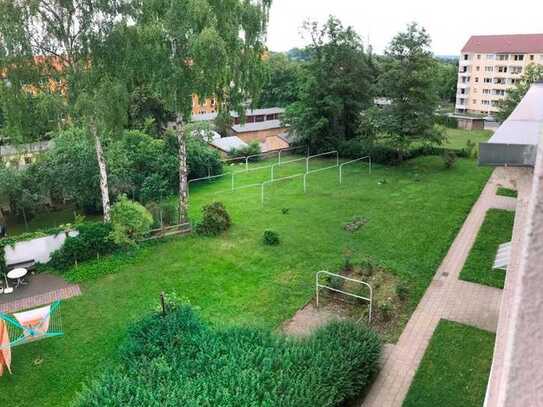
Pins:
x: 408, y: 80
x: 335, y: 87
x: 55, y: 43
x: 446, y: 77
x: 223, y: 123
x: 147, y: 112
x: 24, y: 195
x: 203, y: 47
x: 282, y: 81
x: 532, y: 74
x: 70, y: 167
x: 130, y: 221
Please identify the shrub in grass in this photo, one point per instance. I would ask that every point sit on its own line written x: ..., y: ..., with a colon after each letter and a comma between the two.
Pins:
x: 449, y: 158
x: 335, y: 282
x: 402, y: 291
x: 130, y: 221
x: 178, y: 360
x: 271, y: 238
x: 216, y: 220
x: 93, y: 240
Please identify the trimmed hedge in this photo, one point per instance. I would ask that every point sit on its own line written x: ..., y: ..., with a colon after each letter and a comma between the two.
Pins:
x: 387, y: 155
x: 178, y: 360
x: 93, y: 240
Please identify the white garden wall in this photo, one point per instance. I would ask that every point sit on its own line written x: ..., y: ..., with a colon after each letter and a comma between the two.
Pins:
x: 38, y: 249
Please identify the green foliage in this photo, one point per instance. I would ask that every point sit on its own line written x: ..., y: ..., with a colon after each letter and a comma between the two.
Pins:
x: 271, y: 238
x: 407, y: 80
x: 449, y: 158
x: 335, y: 87
x: 71, y: 169
x: 252, y: 149
x: 283, y: 78
x: 147, y: 112
x: 223, y: 123
x: 496, y: 229
x: 402, y: 291
x: 446, y: 79
x: 202, y: 160
x: 93, y: 241
x: 511, y: 193
x: 532, y: 73
x: 455, y: 368
x: 327, y: 369
x: 130, y: 222
x: 216, y: 220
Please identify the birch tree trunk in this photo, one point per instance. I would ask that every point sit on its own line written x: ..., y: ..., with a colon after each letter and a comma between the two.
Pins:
x: 104, y: 189
x: 183, y: 171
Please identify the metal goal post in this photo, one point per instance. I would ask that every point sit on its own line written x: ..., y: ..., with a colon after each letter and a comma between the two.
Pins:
x: 319, y: 285
x: 352, y: 162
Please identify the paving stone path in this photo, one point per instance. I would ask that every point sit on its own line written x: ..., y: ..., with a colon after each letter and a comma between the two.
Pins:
x: 447, y: 297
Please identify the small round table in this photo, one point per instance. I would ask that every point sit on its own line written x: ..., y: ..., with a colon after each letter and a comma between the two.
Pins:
x: 18, y: 274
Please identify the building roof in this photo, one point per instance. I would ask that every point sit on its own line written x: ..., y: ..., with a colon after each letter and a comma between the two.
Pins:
x: 9, y: 150
x: 201, y: 117
x: 273, y: 143
x: 228, y: 144
x: 525, y: 124
x: 258, y: 112
x: 507, y: 44
x: 516, y: 140
x: 258, y: 126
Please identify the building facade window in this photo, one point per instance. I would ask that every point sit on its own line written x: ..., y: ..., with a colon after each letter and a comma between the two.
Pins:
x: 488, y: 80
x: 518, y: 57
x: 502, y: 57
x: 489, y: 69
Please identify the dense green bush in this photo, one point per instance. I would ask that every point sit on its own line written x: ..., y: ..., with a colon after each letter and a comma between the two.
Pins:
x: 216, y: 220
x: 270, y: 238
x: 387, y: 155
x: 93, y: 240
x: 253, y: 148
x: 130, y: 220
x: 166, y: 213
x: 177, y: 360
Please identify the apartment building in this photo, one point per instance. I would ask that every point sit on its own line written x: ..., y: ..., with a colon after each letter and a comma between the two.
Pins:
x: 489, y: 65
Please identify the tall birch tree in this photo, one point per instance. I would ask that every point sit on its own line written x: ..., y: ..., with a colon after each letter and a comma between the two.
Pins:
x: 211, y: 48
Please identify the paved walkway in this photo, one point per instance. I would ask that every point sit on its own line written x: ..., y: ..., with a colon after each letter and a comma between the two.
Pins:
x: 447, y: 297
x: 42, y: 289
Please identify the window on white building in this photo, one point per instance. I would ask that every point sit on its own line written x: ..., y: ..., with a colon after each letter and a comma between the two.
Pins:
x: 518, y: 57
x: 502, y: 57
x: 489, y: 68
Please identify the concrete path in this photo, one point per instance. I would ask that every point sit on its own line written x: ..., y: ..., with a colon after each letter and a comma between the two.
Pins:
x: 42, y: 289
x: 447, y: 297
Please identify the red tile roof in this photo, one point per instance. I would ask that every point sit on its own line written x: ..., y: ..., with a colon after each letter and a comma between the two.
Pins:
x: 516, y: 43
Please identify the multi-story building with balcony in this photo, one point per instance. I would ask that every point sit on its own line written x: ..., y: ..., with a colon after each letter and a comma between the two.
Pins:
x: 490, y: 65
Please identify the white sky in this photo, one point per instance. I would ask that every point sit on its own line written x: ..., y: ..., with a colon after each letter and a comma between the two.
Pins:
x: 450, y: 22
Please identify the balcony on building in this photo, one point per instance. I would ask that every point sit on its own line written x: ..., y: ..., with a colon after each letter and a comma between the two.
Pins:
x: 515, y: 142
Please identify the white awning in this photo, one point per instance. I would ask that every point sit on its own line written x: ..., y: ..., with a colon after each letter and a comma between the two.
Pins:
x: 503, y: 257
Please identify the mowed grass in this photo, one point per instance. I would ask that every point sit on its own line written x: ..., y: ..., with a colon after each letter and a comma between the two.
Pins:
x: 458, y: 138
x: 511, y: 193
x: 455, y: 369
x: 414, y: 212
x: 497, y: 229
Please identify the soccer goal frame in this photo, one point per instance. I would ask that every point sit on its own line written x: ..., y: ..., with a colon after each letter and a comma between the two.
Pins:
x: 352, y: 162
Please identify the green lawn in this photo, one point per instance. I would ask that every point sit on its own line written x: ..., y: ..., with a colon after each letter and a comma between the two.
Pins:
x: 455, y: 369
x: 458, y: 138
x: 414, y: 212
x: 497, y: 229
x: 511, y: 193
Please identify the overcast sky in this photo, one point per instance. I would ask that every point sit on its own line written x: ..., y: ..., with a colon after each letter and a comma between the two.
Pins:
x: 450, y: 23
